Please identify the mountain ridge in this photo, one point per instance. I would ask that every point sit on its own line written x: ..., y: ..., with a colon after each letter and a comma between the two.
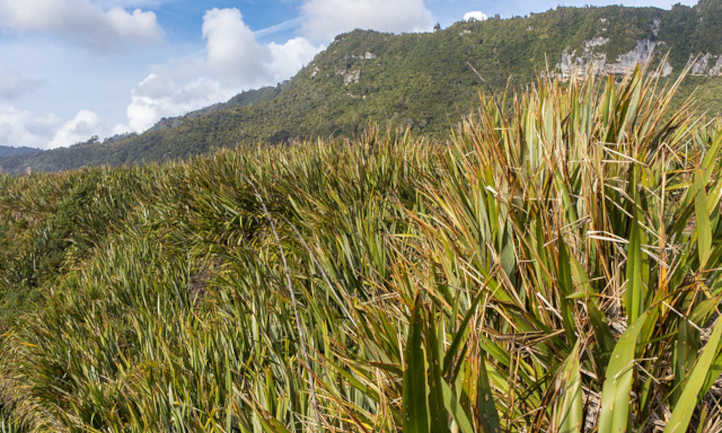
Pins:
x: 8, y: 151
x: 423, y: 81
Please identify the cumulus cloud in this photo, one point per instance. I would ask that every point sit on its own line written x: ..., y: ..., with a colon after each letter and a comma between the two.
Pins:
x: 84, y: 125
x: 286, y: 59
x: 132, y: 3
x: 80, y: 20
x: 20, y: 127
x: 231, y: 46
x: 324, y: 19
x: 233, y: 61
x: 166, y: 92
x: 24, y: 128
x: 475, y: 16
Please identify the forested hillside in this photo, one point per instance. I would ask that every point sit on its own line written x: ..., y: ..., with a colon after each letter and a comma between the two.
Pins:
x: 426, y: 81
x: 6, y: 151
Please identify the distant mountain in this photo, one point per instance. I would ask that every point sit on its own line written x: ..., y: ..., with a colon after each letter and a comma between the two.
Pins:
x: 427, y: 81
x: 7, y: 151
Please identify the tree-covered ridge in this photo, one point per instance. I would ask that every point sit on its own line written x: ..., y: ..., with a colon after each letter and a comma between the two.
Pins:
x: 6, y: 151
x: 424, y: 81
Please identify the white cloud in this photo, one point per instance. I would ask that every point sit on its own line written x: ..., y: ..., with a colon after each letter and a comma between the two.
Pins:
x: 231, y: 47
x: 163, y: 93
x: 475, y: 16
x: 23, y: 128
x: 84, y: 125
x: 132, y: 3
x: 80, y: 20
x: 287, y: 59
x: 285, y: 26
x: 233, y: 61
x: 20, y: 127
x: 324, y: 19
x: 137, y: 24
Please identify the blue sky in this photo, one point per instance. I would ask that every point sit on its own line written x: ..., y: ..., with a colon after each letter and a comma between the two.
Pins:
x: 76, y: 68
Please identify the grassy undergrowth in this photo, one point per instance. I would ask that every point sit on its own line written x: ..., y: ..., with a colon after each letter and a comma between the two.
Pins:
x: 554, y: 267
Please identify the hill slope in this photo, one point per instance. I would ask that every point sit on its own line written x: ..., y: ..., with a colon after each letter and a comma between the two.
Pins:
x: 425, y: 81
x: 8, y: 151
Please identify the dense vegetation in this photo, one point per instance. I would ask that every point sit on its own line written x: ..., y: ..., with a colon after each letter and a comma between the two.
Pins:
x: 6, y: 151
x: 555, y: 266
x: 424, y: 81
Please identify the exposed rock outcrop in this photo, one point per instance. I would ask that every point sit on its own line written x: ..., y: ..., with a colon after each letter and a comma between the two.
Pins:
x: 706, y: 65
x: 640, y: 54
x: 593, y: 59
x: 351, y: 74
x: 656, y: 25
x: 716, y: 70
x: 351, y: 77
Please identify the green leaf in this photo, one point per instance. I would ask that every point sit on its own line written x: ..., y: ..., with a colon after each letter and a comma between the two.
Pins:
x: 682, y: 413
x: 437, y: 412
x: 633, y: 293
x: 568, y: 417
x: 566, y: 287
x: 686, y: 348
x: 451, y: 402
x: 605, y: 339
x: 704, y: 227
x: 618, y: 382
x: 488, y: 417
x: 712, y: 152
x: 459, y: 337
x: 415, y: 404
x: 267, y: 421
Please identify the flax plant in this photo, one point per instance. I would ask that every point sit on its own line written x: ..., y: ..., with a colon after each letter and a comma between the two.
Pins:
x: 553, y: 267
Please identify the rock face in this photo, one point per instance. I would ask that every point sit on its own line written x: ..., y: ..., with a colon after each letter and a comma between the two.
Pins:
x: 716, y: 70
x: 351, y: 70
x: 640, y: 54
x: 656, y: 25
x: 351, y: 77
x: 593, y: 59
x: 706, y: 65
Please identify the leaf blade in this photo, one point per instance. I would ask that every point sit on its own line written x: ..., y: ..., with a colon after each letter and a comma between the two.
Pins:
x: 684, y: 408
x: 415, y: 404
x: 618, y: 383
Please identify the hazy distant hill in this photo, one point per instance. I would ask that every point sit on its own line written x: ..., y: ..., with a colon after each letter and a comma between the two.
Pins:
x: 426, y: 80
x: 7, y: 151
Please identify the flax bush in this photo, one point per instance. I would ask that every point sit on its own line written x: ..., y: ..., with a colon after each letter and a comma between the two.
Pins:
x: 554, y: 266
